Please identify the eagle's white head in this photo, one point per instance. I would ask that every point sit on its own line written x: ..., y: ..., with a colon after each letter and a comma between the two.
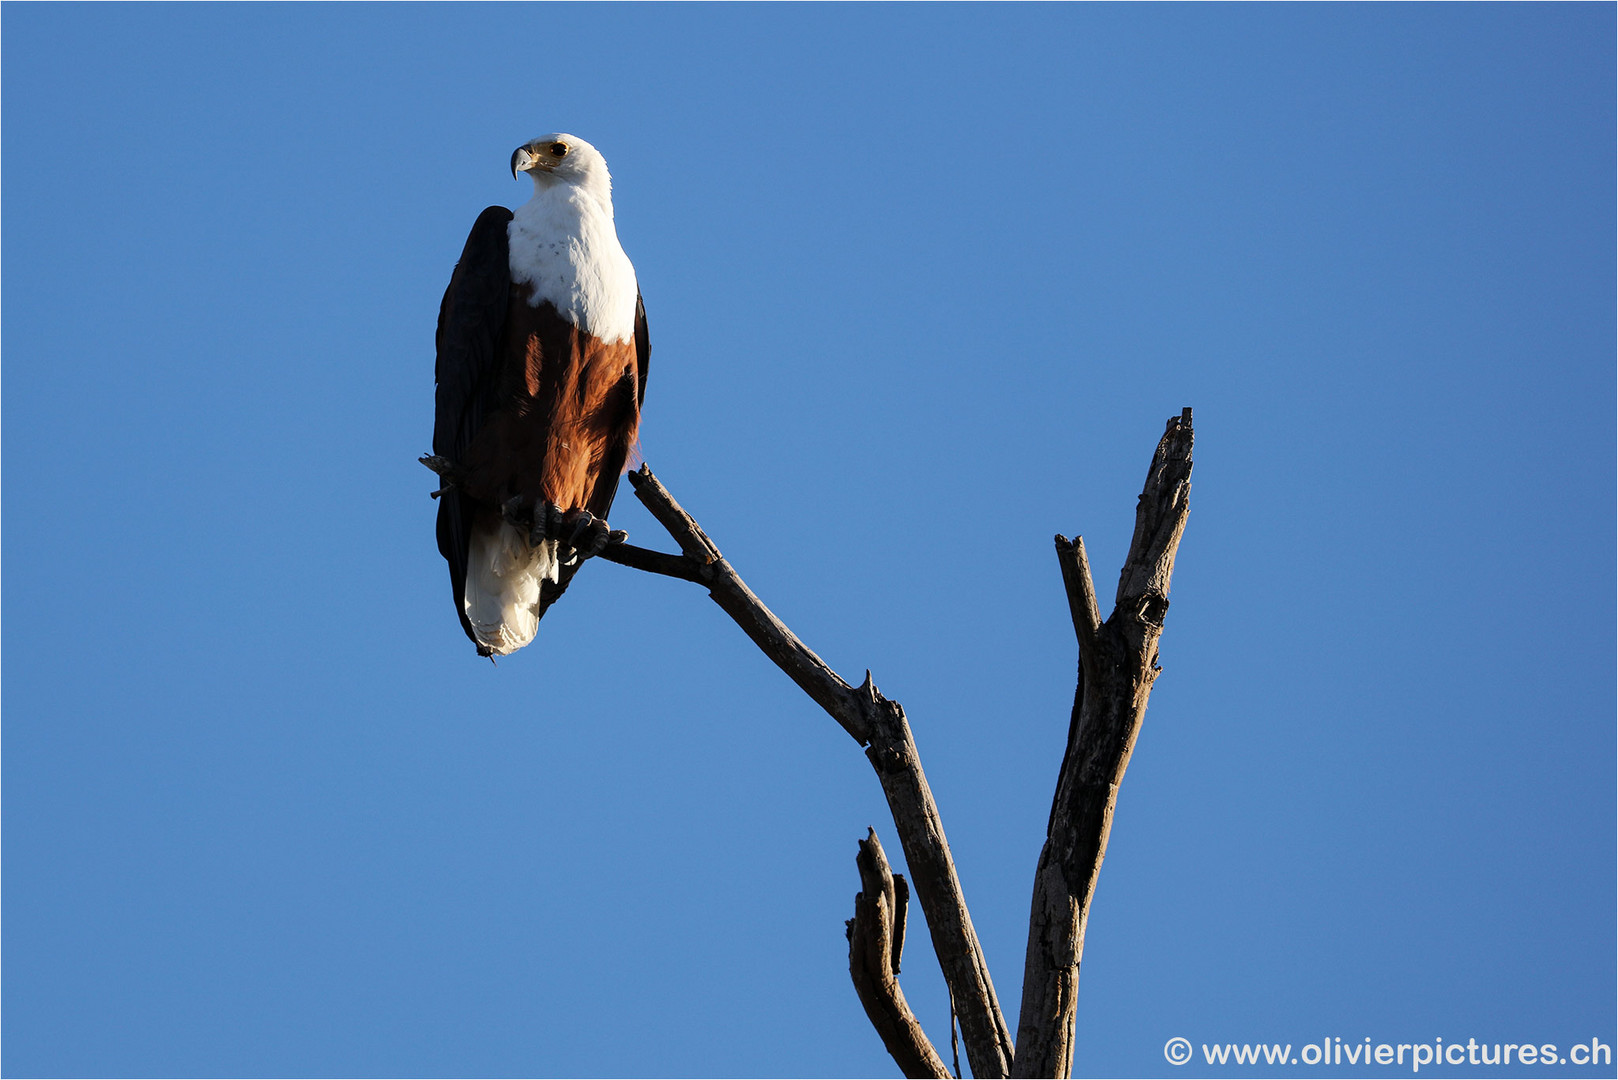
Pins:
x: 560, y: 158
x: 563, y: 242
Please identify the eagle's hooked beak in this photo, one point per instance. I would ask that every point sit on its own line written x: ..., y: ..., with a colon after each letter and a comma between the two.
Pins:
x: 521, y: 162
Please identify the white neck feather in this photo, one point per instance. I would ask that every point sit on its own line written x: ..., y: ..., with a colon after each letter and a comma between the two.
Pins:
x: 565, y: 247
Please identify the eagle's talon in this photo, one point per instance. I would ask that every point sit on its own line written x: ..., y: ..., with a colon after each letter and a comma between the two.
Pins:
x: 440, y: 465
x: 581, y: 520
x: 447, y: 471
x: 547, y: 523
x: 588, y: 534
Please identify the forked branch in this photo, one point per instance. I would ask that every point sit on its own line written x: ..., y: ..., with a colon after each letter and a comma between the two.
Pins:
x: 1117, y: 665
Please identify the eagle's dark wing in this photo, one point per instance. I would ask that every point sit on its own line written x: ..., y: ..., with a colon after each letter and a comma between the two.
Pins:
x: 470, y: 321
x: 600, y: 503
x: 643, y: 350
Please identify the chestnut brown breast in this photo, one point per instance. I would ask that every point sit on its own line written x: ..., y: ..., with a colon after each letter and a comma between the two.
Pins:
x: 568, y: 414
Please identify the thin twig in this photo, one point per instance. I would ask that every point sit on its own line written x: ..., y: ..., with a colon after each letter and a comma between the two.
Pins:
x: 954, y: 1043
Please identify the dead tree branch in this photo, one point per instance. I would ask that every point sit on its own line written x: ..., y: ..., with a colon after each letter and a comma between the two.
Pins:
x: 1117, y: 665
x: 875, y: 944
x: 875, y: 723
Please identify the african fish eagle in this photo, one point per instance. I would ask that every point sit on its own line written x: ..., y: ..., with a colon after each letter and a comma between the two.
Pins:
x: 542, y: 356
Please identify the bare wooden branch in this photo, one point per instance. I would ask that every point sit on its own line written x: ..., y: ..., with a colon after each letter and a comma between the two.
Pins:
x: 1081, y: 589
x: 758, y: 622
x: 875, y: 941
x: 897, y: 762
x: 1117, y: 665
x: 653, y: 562
x: 881, y: 726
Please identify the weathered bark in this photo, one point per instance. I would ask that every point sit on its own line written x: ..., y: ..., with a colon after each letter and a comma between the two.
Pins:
x: 875, y: 945
x: 879, y: 725
x: 653, y: 562
x: 1117, y: 665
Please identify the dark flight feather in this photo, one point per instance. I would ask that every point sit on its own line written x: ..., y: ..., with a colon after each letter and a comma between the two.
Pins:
x: 471, y: 320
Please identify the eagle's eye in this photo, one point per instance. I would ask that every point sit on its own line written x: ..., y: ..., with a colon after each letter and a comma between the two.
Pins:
x: 558, y: 150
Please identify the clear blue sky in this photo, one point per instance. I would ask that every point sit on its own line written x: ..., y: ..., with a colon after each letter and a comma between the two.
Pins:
x: 923, y: 283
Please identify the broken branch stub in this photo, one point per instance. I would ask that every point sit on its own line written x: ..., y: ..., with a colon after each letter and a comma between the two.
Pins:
x: 875, y: 939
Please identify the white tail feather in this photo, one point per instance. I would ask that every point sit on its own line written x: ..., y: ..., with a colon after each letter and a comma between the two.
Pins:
x: 503, y: 575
